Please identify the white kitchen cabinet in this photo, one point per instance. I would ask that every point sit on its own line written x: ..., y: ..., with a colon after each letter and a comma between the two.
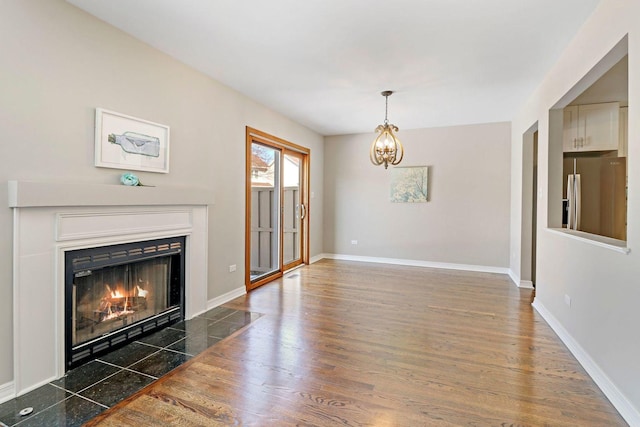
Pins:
x: 624, y: 131
x: 591, y: 127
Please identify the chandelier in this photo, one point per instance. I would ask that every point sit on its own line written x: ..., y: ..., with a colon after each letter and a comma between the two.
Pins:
x: 386, y: 149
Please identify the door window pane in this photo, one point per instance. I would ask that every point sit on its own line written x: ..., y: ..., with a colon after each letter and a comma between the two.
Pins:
x: 292, y: 209
x: 265, y: 219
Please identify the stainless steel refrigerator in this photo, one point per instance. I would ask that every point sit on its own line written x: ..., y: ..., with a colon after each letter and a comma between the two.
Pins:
x: 595, y: 189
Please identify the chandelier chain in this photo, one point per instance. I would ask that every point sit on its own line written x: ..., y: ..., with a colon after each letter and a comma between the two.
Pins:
x: 386, y: 108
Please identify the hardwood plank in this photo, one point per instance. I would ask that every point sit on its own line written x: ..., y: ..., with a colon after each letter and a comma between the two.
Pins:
x: 353, y: 344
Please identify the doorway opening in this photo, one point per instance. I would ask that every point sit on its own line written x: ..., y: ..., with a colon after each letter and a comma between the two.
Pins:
x: 529, y: 207
x: 277, y: 214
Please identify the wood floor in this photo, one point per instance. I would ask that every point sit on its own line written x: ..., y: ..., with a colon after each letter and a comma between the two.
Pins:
x: 357, y: 344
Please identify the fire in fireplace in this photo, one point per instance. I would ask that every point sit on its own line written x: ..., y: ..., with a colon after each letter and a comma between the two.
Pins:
x: 114, y: 294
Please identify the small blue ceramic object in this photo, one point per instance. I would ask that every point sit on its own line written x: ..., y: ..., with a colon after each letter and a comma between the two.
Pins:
x: 129, y: 179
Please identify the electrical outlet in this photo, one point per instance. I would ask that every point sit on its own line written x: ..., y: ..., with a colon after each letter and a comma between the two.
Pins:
x: 232, y: 268
x: 567, y: 300
x: 354, y: 242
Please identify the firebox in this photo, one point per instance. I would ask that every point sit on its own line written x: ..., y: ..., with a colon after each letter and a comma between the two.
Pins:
x: 115, y: 294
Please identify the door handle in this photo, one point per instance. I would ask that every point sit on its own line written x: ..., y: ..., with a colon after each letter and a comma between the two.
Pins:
x: 303, y: 211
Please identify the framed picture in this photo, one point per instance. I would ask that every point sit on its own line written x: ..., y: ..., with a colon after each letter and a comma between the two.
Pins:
x: 125, y: 142
x: 409, y: 184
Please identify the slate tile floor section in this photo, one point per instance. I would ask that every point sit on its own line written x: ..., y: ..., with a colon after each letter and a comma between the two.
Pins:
x: 88, y: 390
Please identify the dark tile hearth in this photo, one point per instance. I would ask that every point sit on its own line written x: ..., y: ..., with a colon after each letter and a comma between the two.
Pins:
x: 38, y: 399
x: 160, y: 363
x: 221, y: 329
x: 87, y: 390
x: 195, y: 326
x: 241, y: 318
x: 218, y: 314
x: 72, y: 411
x: 113, y: 389
x: 193, y: 345
x: 85, y: 376
x: 164, y: 337
x: 129, y: 354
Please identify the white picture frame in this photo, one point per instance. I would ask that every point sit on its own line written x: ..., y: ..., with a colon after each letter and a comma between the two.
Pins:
x: 126, y: 142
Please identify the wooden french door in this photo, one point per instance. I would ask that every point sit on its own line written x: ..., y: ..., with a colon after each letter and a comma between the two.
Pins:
x: 294, y: 210
x: 277, y: 207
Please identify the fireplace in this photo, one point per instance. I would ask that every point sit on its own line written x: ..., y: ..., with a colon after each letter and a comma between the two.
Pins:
x: 52, y: 219
x: 116, y: 293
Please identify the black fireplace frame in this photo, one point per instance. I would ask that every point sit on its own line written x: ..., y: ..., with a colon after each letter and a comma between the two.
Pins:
x: 84, y: 260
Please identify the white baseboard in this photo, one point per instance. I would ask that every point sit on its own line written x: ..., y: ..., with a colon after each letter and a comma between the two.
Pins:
x: 619, y: 400
x: 515, y: 279
x: 526, y: 284
x: 7, y: 391
x: 217, y: 301
x: 419, y: 263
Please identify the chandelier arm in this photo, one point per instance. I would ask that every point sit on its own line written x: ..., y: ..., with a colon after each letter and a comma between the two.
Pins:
x: 373, y: 155
x: 398, y: 148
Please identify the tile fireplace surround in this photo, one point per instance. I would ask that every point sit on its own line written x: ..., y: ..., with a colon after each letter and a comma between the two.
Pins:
x: 51, y: 218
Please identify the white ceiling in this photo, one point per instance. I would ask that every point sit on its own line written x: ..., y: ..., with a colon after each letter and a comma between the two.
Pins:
x: 323, y: 63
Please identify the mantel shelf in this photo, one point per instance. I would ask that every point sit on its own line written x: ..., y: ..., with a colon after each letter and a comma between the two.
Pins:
x: 33, y: 194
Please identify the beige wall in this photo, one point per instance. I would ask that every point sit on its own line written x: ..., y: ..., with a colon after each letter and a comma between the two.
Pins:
x: 57, y: 64
x: 465, y: 221
x: 601, y: 324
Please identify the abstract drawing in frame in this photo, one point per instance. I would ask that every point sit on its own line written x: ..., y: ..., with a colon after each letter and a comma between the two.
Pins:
x: 125, y: 142
x: 409, y: 184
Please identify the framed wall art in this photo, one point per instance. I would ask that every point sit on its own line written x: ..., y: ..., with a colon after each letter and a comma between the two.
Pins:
x: 409, y: 184
x: 125, y: 142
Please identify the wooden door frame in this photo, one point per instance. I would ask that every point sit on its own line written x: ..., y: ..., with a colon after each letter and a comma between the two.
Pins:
x: 254, y: 135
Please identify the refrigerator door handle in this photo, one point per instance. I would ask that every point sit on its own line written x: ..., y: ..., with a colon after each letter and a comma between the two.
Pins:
x: 570, y: 203
x: 573, y: 201
x: 578, y: 196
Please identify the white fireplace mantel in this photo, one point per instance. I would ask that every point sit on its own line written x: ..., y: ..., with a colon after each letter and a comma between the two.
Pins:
x: 50, y: 218
x: 46, y: 194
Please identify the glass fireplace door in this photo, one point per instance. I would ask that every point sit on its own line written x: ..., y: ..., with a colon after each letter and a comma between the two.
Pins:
x: 114, y: 297
x: 114, y: 294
